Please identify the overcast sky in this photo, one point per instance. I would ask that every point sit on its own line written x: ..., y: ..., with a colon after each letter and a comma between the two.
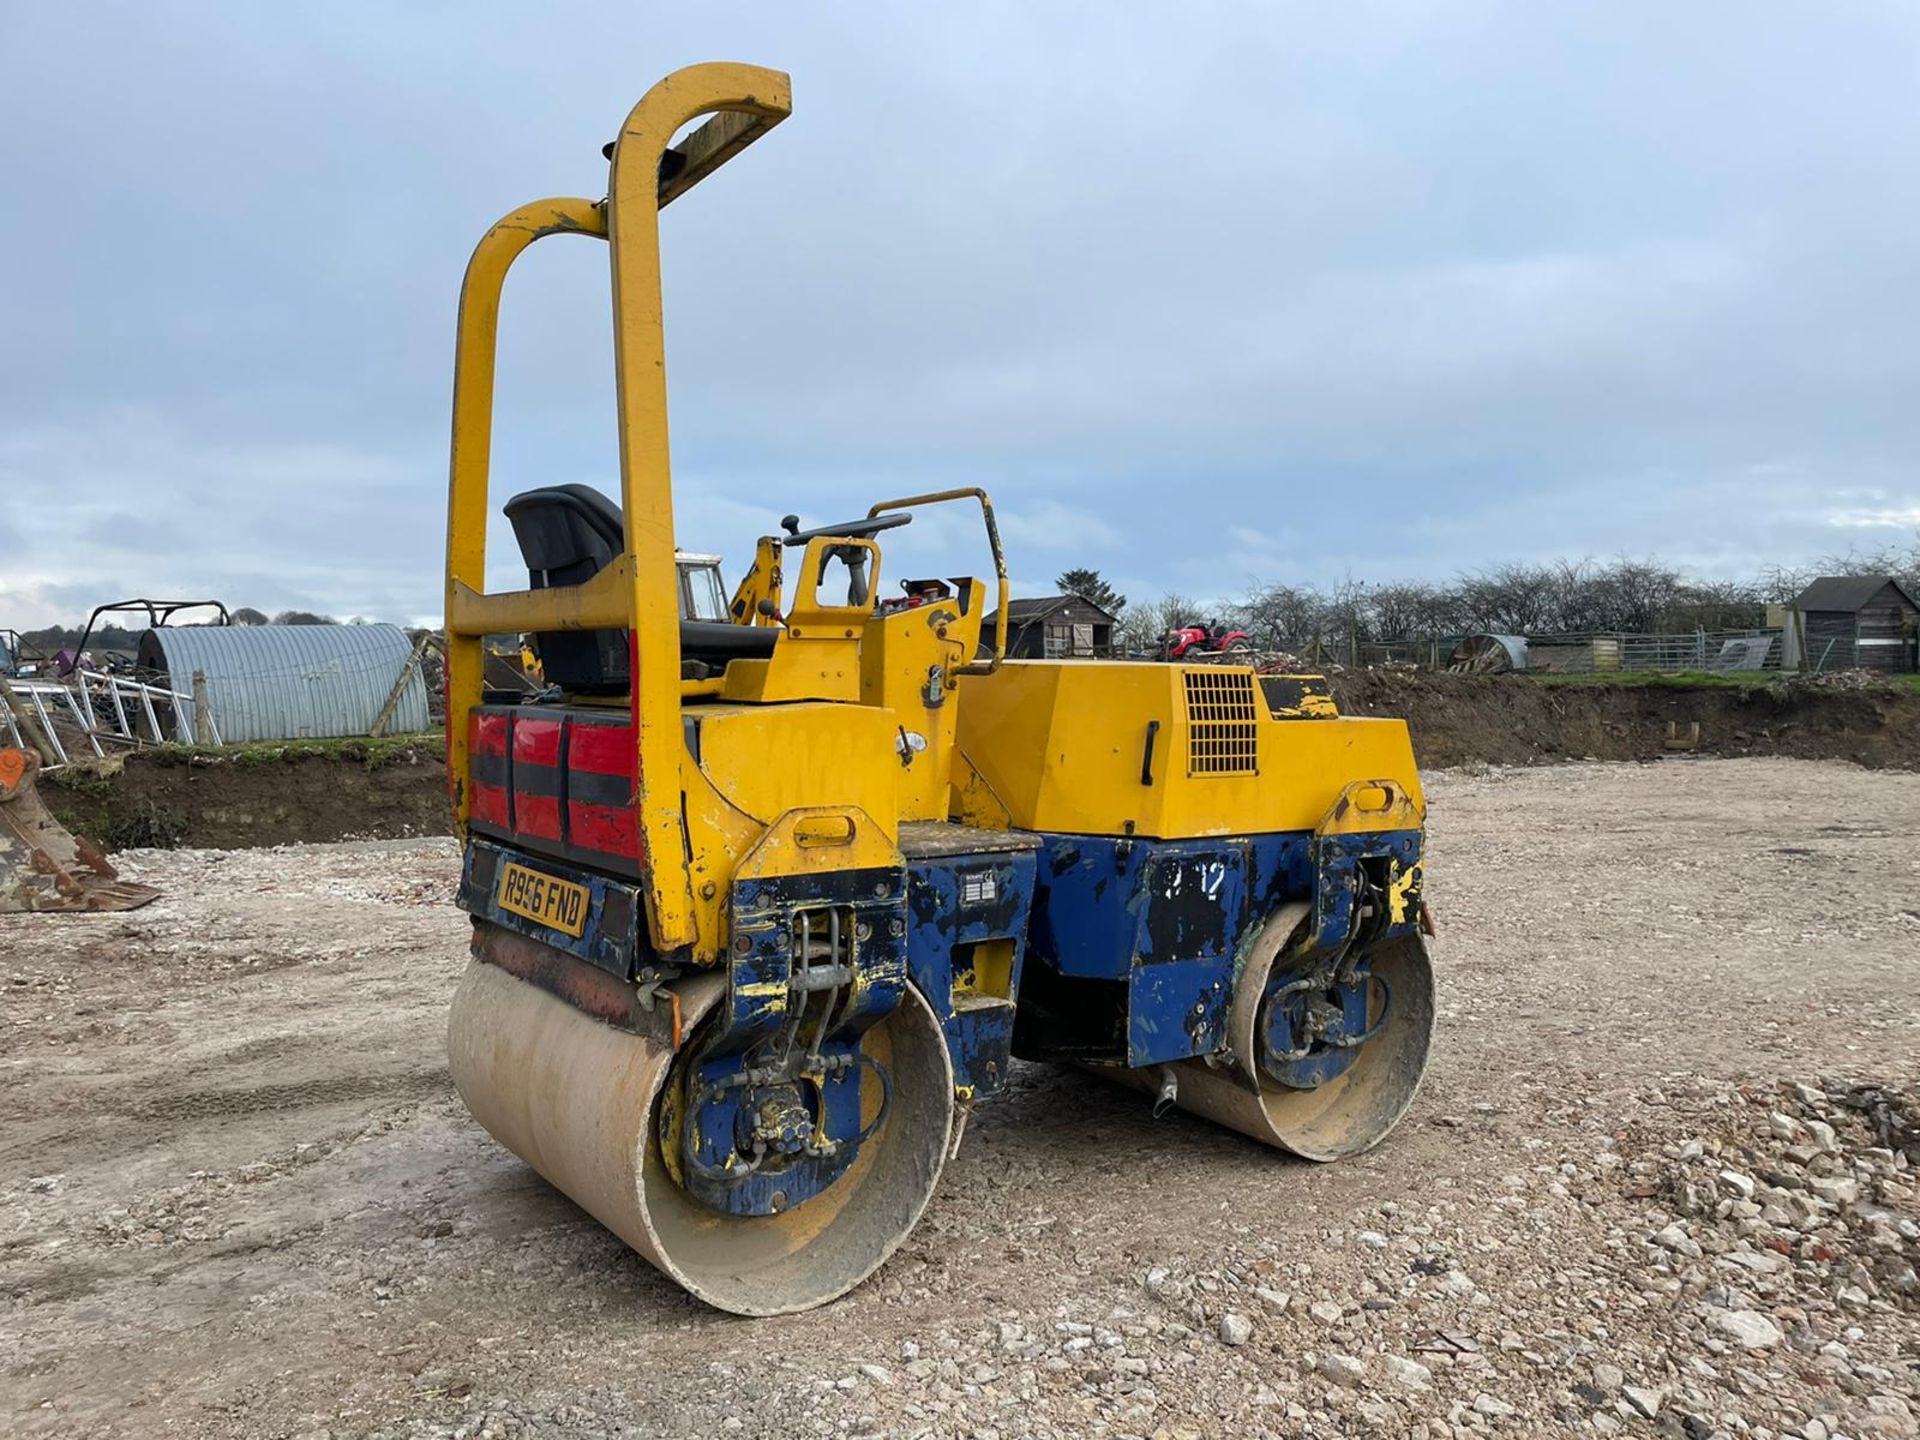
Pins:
x: 1203, y: 293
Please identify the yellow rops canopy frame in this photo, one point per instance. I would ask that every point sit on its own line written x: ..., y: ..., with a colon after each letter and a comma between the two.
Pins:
x: 638, y: 592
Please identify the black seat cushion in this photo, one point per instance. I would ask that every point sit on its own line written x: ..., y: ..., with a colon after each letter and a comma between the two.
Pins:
x: 567, y: 535
x: 563, y: 528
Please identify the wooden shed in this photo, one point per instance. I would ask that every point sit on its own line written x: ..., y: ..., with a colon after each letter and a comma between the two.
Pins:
x: 1858, y: 622
x: 1057, y: 627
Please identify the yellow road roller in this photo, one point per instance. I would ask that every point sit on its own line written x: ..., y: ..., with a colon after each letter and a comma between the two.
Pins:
x: 763, y: 904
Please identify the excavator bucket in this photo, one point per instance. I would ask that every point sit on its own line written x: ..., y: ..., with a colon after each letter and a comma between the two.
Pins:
x: 42, y: 865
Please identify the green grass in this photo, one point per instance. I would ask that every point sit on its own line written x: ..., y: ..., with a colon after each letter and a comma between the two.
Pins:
x: 1667, y: 679
x: 1699, y: 679
x: 357, y: 750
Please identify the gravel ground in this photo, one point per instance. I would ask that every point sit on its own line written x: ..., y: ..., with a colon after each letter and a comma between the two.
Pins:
x: 1661, y: 1179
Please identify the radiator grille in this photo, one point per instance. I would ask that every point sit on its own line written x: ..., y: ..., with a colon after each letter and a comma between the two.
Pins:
x: 1223, y: 733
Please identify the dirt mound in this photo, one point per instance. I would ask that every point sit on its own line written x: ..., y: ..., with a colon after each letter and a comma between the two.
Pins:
x: 258, y: 796
x: 305, y: 791
x: 1513, y: 720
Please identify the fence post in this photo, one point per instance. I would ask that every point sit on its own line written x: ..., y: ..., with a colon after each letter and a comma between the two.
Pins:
x: 202, y: 710
x: 29, y: 723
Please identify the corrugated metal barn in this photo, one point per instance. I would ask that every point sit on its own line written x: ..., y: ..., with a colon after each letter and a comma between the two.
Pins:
x: 291, y: 682
x: 1858, y: 622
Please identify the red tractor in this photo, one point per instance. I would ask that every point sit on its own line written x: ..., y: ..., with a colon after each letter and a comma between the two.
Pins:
x: 1206, y: 638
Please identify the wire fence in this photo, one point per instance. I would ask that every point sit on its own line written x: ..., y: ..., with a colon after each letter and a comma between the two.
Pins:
x: 1757, y: 649
x: 1577, y: 654
x: 1828, y: 653
x: 1703, y: 650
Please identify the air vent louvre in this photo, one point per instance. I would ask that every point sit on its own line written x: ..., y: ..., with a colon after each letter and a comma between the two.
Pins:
x: 1223, y: 729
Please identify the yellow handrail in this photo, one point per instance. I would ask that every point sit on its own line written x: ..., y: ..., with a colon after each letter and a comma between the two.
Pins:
x: 969, y: 492
x: 475, y: 347
x: 746, y: 101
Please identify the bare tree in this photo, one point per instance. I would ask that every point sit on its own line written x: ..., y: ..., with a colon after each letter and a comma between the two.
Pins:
x: 1142, y: 630
x: 1563, y: 597
x: 1410, y: 612
x: 1716, y: 605
x: 1283, y: 617
x: 1509, y: 599
x: 1900, y: 561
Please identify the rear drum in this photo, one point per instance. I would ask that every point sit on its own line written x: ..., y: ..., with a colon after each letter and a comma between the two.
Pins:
x: 580, y: 1101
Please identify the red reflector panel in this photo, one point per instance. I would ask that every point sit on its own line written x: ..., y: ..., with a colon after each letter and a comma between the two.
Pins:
x: 487, y: 734
x: 536, y: 741
x: 487, y: 805
x: 487, y: 799
x: 536, y: 775
x: 600, y: 814
x: 601, y: 749
x: 604, y: 828
x: 538, y: 815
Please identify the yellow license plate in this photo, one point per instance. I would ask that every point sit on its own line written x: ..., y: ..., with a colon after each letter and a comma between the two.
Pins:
x: 560, y: 904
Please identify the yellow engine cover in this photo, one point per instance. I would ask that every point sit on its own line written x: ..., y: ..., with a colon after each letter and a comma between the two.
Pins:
x: 1169, y: 751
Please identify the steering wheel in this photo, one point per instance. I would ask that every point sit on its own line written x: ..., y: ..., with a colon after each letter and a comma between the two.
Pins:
x: 845, y: 530
x: 859, y: 589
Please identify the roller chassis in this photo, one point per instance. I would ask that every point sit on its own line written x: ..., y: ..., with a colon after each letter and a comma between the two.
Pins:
x: 761, y: 907
x: 1129, y: 954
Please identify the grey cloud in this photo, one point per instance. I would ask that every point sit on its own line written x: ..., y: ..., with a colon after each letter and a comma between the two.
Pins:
x: 1399, y: 288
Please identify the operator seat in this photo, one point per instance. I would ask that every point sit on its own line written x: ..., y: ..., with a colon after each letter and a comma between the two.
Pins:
x: 567, y: 535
